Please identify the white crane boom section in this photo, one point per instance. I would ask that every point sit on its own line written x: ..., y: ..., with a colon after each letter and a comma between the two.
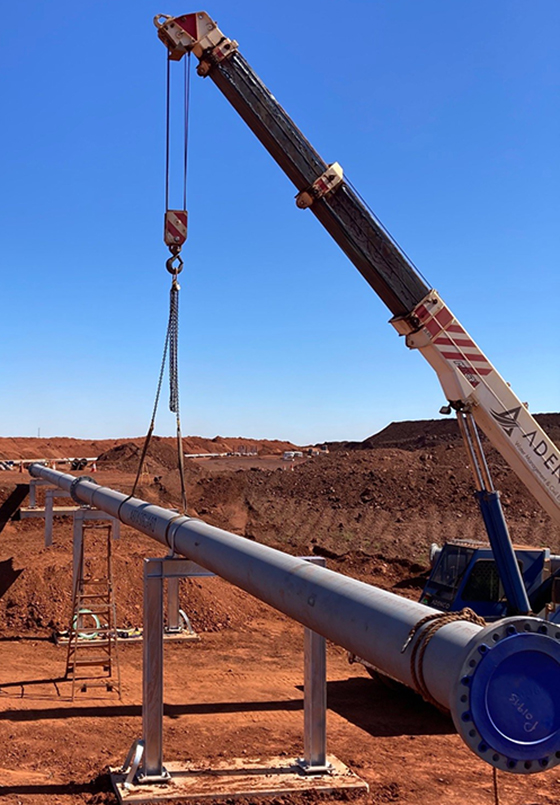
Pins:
x: 471, y: 382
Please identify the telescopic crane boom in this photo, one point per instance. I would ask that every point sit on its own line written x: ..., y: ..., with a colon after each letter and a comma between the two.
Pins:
x: 470, y: 382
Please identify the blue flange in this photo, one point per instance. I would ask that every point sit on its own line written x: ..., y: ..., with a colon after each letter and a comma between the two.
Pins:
x: 506, y: 705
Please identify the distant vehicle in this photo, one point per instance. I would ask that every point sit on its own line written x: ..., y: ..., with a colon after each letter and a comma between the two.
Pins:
x: 290, y: 455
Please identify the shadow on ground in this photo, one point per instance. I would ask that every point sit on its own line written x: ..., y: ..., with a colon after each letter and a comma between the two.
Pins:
x: 383, y: 712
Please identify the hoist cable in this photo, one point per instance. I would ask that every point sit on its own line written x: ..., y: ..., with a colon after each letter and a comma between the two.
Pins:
x: 385, y: 230
x: 167, y: 130
x: 187, y: 95
x: 187, y: 103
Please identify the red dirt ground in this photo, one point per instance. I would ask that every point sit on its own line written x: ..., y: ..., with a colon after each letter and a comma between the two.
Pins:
x: 372, y: 509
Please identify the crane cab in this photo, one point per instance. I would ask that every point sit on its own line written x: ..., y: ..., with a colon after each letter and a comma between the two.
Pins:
x: 465, y: 574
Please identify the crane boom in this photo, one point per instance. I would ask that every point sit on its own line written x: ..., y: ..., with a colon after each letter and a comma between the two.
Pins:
x: 469, y: 381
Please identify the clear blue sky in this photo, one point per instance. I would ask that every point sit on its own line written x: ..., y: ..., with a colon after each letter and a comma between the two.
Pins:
x: 444, y: 115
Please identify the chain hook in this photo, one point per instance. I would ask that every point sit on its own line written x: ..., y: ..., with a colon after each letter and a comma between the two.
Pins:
x: 174, y: 264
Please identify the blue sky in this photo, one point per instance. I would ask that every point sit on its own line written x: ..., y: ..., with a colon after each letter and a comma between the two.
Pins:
x: 443, y: 114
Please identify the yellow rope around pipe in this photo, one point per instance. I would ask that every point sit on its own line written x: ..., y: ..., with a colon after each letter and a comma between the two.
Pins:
x: 432, y: 624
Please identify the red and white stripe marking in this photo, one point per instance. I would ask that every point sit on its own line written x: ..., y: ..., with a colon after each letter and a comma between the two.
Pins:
x: 175, y: 230
x: 188, y: 23
x: 454, y: 343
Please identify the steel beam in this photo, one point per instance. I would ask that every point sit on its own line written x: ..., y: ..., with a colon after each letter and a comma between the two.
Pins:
x: 152, y: 673
x: 501, y: 683
x: 314, y: 696
x: 77, y: 545
x: 49, y: 503
x: 314, y: 702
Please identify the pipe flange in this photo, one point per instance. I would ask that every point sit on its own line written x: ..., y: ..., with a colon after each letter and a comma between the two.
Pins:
x: 506, y: 706
x: 75, y: 483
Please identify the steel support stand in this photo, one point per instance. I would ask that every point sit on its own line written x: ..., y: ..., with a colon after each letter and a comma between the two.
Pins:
x: 152, y: 769
x: 49, y: 503
x: 314, y: 704
x: 33, y: 484
x: 77, y: 540
x: 50, y: 495
x: 155, y: 572
x: 314, y: 759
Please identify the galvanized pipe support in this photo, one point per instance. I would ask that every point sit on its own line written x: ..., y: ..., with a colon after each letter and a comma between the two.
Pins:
x: 156, y: 571
x: 501, y: 683
x: 150, y: 768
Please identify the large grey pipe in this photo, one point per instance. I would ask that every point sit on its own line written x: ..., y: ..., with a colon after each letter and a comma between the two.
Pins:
x: 501, y: 683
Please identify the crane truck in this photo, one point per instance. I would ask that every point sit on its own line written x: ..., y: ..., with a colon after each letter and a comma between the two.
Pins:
x: 497, y: 581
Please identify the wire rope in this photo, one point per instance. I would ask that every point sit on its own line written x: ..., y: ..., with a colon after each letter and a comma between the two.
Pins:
x: 187, y: 95
x: 385, y: 230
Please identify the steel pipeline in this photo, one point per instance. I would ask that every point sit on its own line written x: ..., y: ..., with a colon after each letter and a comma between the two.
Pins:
x: 501, y: 683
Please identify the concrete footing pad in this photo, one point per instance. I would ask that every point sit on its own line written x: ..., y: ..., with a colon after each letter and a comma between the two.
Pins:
x: 261, y: 777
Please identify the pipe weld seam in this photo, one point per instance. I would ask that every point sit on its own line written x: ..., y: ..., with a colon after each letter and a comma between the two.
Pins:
x: 121, y: 504
x: 95, y: 491
x: 75, y: 483
x: 171, y: 542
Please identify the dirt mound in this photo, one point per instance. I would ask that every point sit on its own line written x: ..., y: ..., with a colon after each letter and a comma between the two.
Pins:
x: 36, y: 596
x: 226, y: 444
x: 161, y: 455
x: 384, y: 501
x: 416, y: 434
x: 413, y: 435
x: 162, y: 452
x: 57, y: 447
x: 551, y: 424
x: 64, y: 447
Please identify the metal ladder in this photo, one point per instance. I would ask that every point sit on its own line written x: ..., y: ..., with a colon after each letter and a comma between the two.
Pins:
x: 93, y: 629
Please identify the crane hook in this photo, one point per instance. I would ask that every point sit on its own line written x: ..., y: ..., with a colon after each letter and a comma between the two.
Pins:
x: 174, y: 264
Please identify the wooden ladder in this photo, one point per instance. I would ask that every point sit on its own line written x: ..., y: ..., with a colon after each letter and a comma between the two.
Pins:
x: 93, y: 629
